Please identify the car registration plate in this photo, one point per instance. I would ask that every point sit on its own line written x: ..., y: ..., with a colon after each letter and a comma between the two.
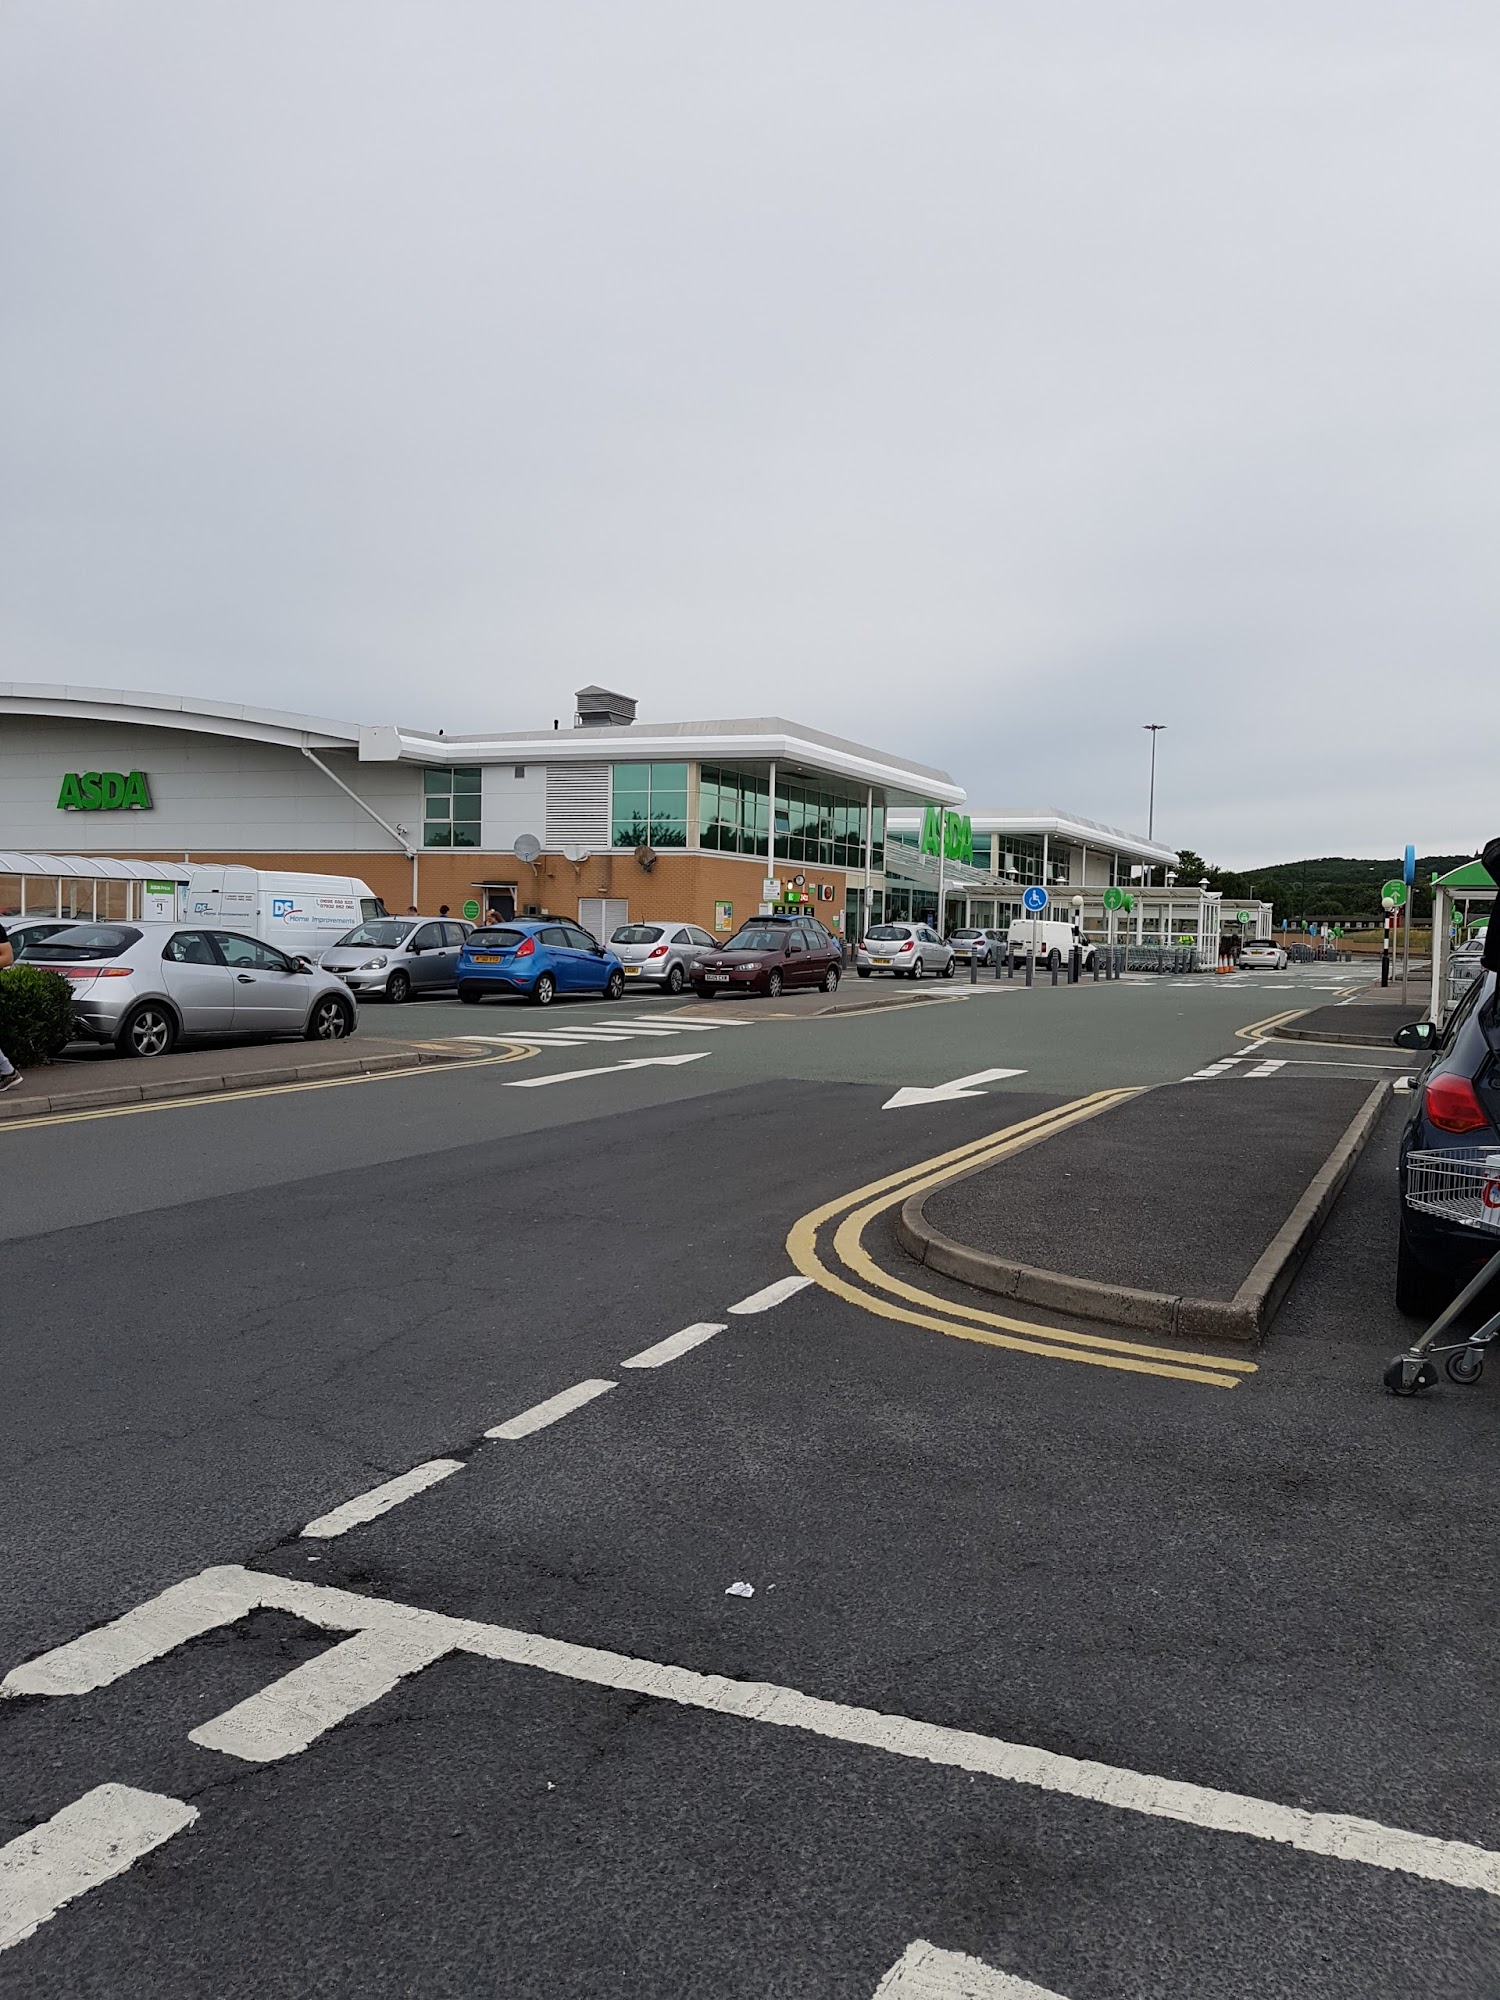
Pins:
x: 481, y: 959
x: 632, y: 972
x: 880, y: 961
x: 719, y: 978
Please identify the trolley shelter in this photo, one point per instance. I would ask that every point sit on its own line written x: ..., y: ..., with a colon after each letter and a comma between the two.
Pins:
x: 88, y: 886
x: 1461, y: 900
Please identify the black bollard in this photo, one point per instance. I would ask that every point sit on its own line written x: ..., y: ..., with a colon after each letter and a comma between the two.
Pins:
x: 1094, y: 964
x: 973, y: 964
x: 1028, y: 968
x: 1053, y: 963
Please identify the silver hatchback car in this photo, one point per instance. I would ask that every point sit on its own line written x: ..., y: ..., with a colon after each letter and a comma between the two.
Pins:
x: 660, y: 953
x: 398, y: 957
x: 909, y: 950
x: 144, y: 986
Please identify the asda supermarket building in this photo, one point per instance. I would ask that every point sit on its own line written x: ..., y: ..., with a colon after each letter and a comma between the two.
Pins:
x: 602, y: 818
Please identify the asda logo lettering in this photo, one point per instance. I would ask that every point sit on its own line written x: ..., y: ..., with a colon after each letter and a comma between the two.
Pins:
x: 104, y: 791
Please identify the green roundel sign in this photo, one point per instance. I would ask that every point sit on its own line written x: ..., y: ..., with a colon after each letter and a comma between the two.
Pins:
x: 1242, y: 916
x: 1114, y: 899
x: 471, y: 909
x: 104, y: 791
x: 1395, y: 893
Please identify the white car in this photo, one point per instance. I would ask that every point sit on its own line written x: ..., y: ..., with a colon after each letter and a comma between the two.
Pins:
x: 905, y: 951
x: 1262, y: 955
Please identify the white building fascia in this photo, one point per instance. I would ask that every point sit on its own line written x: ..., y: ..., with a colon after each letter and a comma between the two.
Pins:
x: 1072, y: 827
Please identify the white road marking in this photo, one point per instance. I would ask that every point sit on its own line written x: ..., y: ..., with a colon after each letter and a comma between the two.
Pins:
x: 90, y: 1841
x: 1268, y: 1068
x: 213, y: 1598
x: 545, y: 1038
x: 540, y: 1415
x: 611, y: 1069
x: 943, y: 1093
x: 380, y: 1499
x: 1220, y: 1068
x: 682, y: 1027
x: 924, y: 1973
x: 759, y: 1302
x: 296, y: 1710
x: 674, y: 1344
x: 1334, y: 1836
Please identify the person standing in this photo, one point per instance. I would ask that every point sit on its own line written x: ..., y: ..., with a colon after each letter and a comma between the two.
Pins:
x: 10, y: 1076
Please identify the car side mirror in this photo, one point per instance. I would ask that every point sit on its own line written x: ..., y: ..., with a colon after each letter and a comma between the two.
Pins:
x: 1420, y: 1035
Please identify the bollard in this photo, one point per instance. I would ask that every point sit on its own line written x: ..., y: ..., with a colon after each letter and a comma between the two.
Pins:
x: 1028, y: 968
x: 973, y: 964
x: 1053, y: 967
x: 1094, y: 965
x: 996, y: 959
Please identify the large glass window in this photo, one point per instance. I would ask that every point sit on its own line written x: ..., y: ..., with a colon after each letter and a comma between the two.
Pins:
x: 1020, y: 857
x: 732, y: 810
x: 450, y: 806
x: 650, y: 805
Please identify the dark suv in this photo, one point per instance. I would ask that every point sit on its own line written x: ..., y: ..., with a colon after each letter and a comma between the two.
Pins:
x: 767, y: 954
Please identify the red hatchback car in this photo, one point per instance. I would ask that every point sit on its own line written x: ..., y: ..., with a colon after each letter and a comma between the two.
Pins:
x: 768, y: 954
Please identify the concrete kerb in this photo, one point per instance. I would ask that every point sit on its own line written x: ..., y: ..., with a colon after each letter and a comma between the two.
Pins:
x: 149, y: 1092
x: 1244, y: 1318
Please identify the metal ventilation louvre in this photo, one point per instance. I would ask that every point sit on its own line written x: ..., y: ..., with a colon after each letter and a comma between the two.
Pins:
x: 578, y: 806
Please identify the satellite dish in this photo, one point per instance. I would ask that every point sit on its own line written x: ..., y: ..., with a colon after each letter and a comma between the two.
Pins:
x: 646, y: 856
x: 526, y: 847
x: 574, y: 852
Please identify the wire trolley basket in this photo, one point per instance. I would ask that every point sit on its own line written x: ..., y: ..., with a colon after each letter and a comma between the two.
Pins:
x: 1462, y: 1186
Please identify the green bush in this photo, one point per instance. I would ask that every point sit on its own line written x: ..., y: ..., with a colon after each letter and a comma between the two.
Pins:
x: 36, y: 1013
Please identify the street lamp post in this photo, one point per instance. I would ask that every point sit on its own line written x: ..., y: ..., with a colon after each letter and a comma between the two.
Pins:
x: 1156, y: 728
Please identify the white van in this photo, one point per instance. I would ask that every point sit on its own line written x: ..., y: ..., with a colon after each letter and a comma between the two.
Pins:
x: 1027, y: 935
x: 301, y: 913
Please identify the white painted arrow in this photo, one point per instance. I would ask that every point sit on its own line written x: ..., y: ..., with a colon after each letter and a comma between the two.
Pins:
x: 941, y: 1093
x: 639, y: 1062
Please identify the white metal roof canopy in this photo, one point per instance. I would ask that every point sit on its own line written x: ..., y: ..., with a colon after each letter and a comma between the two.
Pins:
x: 92, y: 868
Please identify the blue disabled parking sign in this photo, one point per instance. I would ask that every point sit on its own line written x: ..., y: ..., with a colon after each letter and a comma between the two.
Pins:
x: 1035, y: 899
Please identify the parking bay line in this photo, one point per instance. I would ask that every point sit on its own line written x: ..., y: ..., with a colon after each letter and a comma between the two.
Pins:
x: 540, y: 1415
x: 430, y: 1635
x: 610, y: 1069
x: 923, y: 1972
x: 380, y: 1499
x: 674, y: 1345
x: 92, y: 1840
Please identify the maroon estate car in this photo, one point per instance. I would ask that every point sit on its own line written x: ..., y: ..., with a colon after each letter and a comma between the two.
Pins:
x: 769, y: 953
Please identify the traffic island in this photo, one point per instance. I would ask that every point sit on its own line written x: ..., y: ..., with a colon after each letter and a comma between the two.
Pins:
x: 1363, y: 1024
x: 93, y: 1080
x: 1185, y: 1210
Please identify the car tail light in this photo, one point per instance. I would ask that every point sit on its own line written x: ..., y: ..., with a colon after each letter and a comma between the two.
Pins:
x: 526, y: 947
x: 1452, y: 1105
x: 660, y: 952
x: 907, y: 944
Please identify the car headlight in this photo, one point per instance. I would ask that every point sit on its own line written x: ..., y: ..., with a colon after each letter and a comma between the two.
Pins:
x: 372, y: 965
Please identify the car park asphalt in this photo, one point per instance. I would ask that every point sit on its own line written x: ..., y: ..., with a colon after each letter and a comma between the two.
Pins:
x: 230, y: 1319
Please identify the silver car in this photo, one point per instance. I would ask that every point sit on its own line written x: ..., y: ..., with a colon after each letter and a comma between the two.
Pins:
x: 144, y: 986
x: 660, y: 953
x: 904, y: 950
x: 397, y: 957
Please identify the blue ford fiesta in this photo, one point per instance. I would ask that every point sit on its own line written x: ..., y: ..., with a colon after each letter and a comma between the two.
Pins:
x: 540, y: 958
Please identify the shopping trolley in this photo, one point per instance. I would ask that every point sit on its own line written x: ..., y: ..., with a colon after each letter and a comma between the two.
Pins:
x: 1461, y: 1187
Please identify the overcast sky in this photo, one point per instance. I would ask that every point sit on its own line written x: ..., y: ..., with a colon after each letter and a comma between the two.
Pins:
x: 980, y: 379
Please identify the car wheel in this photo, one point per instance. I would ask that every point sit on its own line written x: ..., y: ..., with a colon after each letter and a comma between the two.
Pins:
x: 398, y: 987
x: 919, y: 969
x: 863, y: 971
x: 1419, y: 1291
x: 949, y: 969
x: 773, y: 985
x: 545, y: 990
x: 614, y: 986
x: 330, y: 1020
x: 468, y: 996
x: 831, y: 980
x: 147, y: 1030
x: 675, y: 981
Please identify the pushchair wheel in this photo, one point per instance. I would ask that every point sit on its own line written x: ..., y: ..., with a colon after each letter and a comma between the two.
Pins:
x: 1465, y: 1365
x: 1407, y: 1374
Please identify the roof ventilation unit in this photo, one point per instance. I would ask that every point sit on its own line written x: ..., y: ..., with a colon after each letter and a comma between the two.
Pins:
x: 598, y: 708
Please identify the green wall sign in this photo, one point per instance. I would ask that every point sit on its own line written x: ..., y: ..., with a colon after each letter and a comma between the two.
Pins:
x: 104, y: 791
x: 955, y: 831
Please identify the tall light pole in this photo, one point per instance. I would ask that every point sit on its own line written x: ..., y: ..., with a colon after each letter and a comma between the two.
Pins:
x: 1156, y: 728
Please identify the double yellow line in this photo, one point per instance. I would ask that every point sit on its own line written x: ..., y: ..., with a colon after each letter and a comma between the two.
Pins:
x: 861, y: 1281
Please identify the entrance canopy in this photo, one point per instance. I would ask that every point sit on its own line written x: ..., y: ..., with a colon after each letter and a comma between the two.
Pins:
x: 80, y: 885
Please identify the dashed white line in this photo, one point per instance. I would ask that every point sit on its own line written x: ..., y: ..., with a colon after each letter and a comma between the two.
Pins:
x: 1334, y: 1836
x: 90, y: 1841
x: 924, y: 1973
x: 296, y: 1710
x: 759, y: 1302
x: 380, y: 1499
x: 1268, y: 1068
x: 674, y: 1344
x: 540, y: 1415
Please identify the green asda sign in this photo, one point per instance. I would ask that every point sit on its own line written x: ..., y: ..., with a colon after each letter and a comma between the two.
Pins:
x: 952, y: 830
x: 104, y: 791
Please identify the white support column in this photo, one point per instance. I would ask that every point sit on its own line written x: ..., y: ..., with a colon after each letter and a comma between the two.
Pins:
x: 770, y: 829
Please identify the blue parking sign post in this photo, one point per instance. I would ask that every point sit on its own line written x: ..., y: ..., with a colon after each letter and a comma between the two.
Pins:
x: 1035, y: 900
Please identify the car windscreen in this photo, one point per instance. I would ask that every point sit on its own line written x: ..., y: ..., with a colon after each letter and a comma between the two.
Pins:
x: 636, y: 934
x: 387, y: 932
x: 494, y: 940
x: 85, y: 941
x: 886, y: 933
x: 758, y: 940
